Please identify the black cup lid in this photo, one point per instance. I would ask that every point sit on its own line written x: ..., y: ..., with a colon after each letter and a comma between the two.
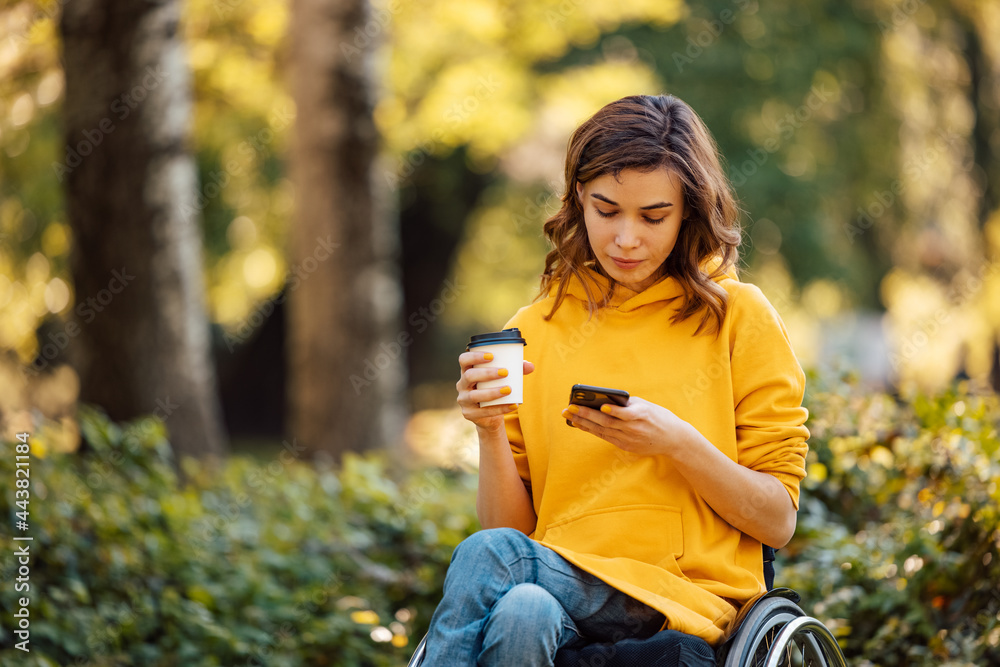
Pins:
x: 498, y: 337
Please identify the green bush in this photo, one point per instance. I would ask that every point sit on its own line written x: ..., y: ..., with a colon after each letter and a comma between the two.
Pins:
x: 274, y: 562
x: 899, y: 530
x: 285, y: 562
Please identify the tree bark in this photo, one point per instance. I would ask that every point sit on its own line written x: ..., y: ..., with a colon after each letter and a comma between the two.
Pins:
x: 346, y: 350
x: 142, y: 345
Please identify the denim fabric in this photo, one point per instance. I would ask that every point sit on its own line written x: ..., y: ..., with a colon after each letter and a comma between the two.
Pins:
x: 508, y: 600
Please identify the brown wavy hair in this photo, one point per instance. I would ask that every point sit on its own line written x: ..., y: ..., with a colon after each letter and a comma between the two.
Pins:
x: 646, y: 132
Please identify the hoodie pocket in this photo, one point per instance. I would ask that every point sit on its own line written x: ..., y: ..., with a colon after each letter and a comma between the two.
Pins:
x: 648, y: 533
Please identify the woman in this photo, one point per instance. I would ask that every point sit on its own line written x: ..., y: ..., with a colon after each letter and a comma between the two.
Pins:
x: 651, y: 515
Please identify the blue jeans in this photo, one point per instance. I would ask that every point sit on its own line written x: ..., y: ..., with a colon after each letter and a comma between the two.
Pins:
x: 508, y: 600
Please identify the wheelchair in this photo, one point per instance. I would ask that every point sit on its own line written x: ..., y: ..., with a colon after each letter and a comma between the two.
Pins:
x: 770, y: 631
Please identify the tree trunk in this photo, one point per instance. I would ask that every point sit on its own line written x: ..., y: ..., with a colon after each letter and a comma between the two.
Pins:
x: 141, y: 334
x: 346, y: 351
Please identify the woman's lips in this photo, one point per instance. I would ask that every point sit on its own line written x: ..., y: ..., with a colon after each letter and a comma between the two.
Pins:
x: 626, y: 263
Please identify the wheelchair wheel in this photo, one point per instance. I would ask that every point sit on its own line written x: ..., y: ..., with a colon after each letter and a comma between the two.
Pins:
x: 418, y: 655
x: 777, y: 633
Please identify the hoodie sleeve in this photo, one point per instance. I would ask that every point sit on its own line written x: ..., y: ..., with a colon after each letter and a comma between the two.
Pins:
x: 517, y: 450
x: 768, y: 386
x: 512, y: 422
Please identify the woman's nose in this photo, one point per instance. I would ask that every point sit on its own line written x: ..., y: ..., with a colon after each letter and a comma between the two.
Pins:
x: 627, y: 236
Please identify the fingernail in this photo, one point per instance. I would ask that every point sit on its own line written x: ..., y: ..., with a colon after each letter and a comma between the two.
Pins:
x: 565, y: 413
x: 502, y: 372
x: 488, y: 356
x: 606, y: 408
x: 573, y: 409
x: 505, y: 390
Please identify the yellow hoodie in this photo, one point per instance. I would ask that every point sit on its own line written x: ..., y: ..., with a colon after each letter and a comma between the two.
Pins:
x: 634, y: 521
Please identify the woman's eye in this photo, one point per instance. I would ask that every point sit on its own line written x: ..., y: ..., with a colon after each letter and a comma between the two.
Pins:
x: 611, y: 214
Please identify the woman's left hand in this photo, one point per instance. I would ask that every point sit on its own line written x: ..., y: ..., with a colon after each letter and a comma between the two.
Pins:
x: 640, y: 427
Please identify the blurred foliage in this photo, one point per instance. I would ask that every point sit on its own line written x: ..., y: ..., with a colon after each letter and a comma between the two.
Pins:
x: 487, y: 74
x: 257, y: 562
x: 277, y: 561
x: 243, y: 118
x: 34, y: 237
x: 898, y: 541
x: 939, y: 217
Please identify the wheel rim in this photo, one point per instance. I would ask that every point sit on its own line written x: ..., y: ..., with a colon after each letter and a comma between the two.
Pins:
x: 807, y: 642
x: 777, y: 633
x: 770, y: 630
x: 799, y: 652
x: 759, y: 630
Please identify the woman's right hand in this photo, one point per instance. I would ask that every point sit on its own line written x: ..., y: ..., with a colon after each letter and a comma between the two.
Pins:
x: 469, y: 397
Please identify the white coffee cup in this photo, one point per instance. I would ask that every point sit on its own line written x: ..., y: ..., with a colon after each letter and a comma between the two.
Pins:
x: 507, y: 347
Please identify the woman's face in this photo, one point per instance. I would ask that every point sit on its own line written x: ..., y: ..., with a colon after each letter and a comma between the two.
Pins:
x: 632, y: 224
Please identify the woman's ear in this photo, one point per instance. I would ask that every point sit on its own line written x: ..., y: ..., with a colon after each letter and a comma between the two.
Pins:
x: 579, y: 192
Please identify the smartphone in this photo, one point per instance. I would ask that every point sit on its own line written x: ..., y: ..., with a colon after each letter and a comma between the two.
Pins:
x: 595, y: 397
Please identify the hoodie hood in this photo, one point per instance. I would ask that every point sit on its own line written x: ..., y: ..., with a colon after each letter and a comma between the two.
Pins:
x: 625, y: 299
